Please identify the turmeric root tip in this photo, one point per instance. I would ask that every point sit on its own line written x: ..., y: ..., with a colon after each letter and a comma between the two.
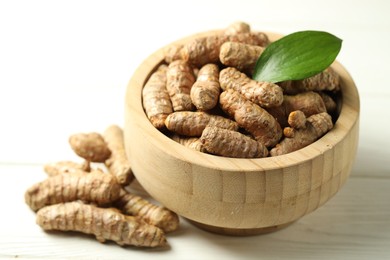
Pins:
x: 117, y: 163
x: 133, y: 205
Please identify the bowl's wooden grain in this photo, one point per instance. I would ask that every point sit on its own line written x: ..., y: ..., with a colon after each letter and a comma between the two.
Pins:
x: 239, y: 196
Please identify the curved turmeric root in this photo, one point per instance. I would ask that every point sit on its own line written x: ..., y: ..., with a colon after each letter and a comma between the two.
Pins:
x: 95, y: 187
x: 155, y: 98
x: 316, y: 126
x: 105, y: 224
x: 231, y: 144
x: 180, y: 78
x: 264, y: 94
x: 193, y: 123
x: 203, y: 50
x: 240, y: 55
x: 174, y: 51
x: 254, y: 119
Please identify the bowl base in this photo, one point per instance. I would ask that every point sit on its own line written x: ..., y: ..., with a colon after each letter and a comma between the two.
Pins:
x: 239, y: 231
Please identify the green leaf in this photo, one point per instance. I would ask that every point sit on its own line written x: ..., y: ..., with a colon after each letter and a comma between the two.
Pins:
x: 297, y: 56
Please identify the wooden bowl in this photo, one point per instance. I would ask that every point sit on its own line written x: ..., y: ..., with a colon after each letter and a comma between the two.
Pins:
x: 239, y: 196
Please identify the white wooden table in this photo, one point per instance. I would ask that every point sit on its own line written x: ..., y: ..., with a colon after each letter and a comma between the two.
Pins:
x: 64, y: 67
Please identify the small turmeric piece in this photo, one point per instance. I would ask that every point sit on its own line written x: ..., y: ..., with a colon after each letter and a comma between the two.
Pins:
x: 203, y: 50
x: 241, y: 56
x: 60, y: 167
x: 155, y: 97
x: 117, y: 164
x: 237, y: 28
x: 190, y: 142
x: 180, y: 78
x: 90, y: 146
x: 297, y: 119
x: 264, y: 94
x: 254, y: 119
x: 309, y: 103
x: 104, y: 223
x: 193, y: 123
x: 316, y: 126
x: 229, y: 143
x: 326, y: 80
x: 288, y: 132
x: 94, y: 187
x: 134, y: 205
x: 205, y: 91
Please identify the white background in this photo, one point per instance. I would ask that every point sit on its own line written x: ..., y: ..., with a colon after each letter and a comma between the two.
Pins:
x: 64, y: 67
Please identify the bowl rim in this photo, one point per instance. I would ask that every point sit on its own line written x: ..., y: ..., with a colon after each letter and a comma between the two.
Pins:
x: 348, y: 117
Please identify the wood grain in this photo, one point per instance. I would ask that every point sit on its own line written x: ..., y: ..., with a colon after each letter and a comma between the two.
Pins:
x: 240, y: 194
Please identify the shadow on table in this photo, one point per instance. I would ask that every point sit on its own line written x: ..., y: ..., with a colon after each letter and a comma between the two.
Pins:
x: 372, y: 161
x: 354, y: 223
